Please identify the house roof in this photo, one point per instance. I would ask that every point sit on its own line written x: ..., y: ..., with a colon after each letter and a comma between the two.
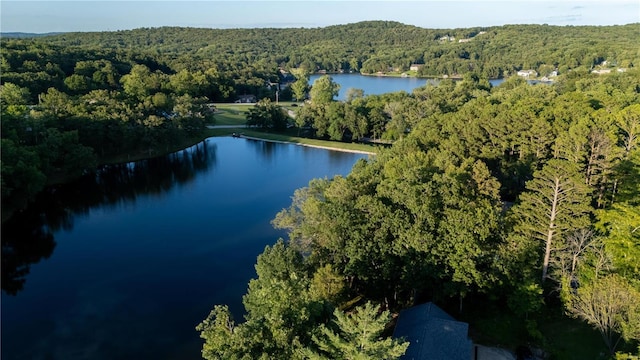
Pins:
x: 433, y: 334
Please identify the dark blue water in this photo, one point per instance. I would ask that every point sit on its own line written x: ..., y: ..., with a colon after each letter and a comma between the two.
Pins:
x: 377, y: 85
x: 125, y: 265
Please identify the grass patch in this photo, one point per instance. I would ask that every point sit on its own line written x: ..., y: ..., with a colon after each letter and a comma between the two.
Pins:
x: 236, y: 114
x: 231, y: 114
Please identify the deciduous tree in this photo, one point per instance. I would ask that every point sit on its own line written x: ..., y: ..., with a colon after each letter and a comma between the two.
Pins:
x: 611, y: 306
x: 323, y: 90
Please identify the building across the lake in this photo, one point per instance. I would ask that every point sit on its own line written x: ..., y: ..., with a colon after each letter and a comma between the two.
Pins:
x: 433, y: 334
x: 527, y: 73
x: 245, y: 99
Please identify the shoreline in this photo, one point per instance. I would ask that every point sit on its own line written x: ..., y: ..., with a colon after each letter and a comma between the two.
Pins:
x: 399, y: 75
x: 307, y: 145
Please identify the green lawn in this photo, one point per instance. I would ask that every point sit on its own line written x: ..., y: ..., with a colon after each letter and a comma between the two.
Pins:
x: 231, y: 114
x: 236, y: 114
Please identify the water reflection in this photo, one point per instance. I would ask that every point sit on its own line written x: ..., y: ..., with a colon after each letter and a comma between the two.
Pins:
x: 265, y: 149
x: 25, y: 241
x: 28, y: 237
x: 133, y: 281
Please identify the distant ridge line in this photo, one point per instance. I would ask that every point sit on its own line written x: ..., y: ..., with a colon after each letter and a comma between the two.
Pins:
x: 25, y: 35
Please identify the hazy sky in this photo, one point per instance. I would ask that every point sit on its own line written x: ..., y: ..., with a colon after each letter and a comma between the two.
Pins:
x: 109, y: 15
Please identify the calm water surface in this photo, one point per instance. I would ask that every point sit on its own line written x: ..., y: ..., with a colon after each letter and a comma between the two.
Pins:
x: 377, y: 85
x: 126, y: 264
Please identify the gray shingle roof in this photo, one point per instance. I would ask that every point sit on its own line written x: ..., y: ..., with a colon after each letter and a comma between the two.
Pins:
x: 433, y: 334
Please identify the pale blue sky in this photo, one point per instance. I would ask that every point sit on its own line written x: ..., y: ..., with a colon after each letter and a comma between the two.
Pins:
x: 111, y: 15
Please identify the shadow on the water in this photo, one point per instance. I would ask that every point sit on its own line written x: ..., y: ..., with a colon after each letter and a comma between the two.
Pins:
x: 265, y: 149
x: 27, y: 237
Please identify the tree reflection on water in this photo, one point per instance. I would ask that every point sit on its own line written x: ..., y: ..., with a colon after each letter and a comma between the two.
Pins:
x: 28, y: 236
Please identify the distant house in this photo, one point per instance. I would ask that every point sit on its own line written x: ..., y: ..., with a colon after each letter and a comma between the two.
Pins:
x: 433, y: 334
x: 447, y: 38
x: 245, y: 99
x: 601, y: 71
x: 464, y: 40
x: 527, y: 73
x: 415, y: 67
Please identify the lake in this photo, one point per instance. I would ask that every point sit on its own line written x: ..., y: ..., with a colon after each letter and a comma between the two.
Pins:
x: 377, y: 85
x: 125, y: 264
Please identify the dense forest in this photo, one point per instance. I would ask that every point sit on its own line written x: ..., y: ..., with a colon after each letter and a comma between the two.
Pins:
x: 374, y: 46
x: 524, y: 197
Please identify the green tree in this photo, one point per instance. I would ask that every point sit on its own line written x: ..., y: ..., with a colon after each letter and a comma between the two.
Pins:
x: 355, y: 120
x: 223, y: 339
x: 20, y: 173
x: 185, y: 82
x: 267, y: 115
x: 357, y: 336
x: 78, y: 84
x: 140, y: 82
x: 327, y: 284
x: 55, y: 103
x: 281, y: 312
x: 337, y: 124
x: 353, y: 93
x: 12, y: 94
x: 555, y: 202
x: 628, y: 121
x: 62, y: 152
x: 301, y: 85
x: 620, y: 224
x: 323, y: 90
x: 611, y: 306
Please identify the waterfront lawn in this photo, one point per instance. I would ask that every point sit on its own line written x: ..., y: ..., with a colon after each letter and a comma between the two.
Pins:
x: 290, y: 137
x: 236, y: 114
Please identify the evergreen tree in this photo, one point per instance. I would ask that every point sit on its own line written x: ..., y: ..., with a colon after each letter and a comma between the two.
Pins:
x: 357, y: 336
x: 555, y: 202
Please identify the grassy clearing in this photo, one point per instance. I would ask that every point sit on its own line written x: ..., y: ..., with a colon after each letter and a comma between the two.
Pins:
x: 236, y: 114
x: 290, y: 138
x: 232, y: 114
